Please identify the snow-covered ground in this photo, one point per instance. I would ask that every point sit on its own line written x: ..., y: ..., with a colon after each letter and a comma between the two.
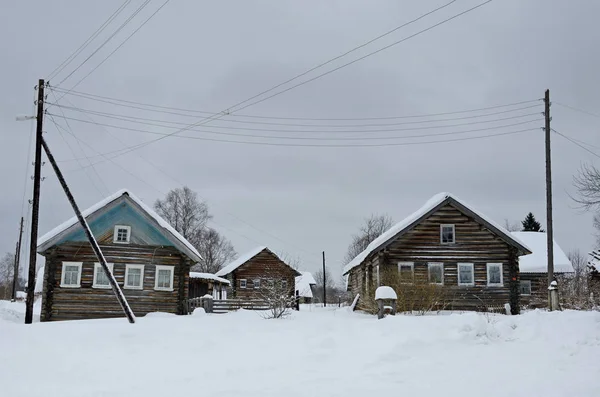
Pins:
x: 330, y: 352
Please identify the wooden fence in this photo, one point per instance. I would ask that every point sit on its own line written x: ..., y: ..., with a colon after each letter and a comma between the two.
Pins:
x: 226, y: 305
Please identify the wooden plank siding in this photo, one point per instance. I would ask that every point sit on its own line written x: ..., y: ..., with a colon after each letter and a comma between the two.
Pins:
x: 59, y: 303
x: 264, y: 266
x: 421, y: 245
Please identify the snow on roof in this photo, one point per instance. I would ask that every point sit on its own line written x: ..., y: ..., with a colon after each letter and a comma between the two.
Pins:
x: 39, y: 281
x: 406, y: 222
x: 384, y: 292
x: 594, y: 262
x: 208, y: 276
x: 240, y: 261
x: 21, y: 294
x: 303, y: 284
x: 538, y: 261
x: 163, y: 223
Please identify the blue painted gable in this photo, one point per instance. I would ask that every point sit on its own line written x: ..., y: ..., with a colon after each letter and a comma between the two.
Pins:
x: 143, y: 229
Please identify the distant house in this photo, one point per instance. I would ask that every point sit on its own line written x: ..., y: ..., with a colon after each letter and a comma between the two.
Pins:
x: 255, y: 272
x: 305, y: 285
x: 533, y: 268
x: 149, y: 259
x: 448, y: 245
x: 202, y: 284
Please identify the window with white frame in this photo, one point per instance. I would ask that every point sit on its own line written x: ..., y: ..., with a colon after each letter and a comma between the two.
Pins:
x: 466, y: 274
x: 436, y: 273
x: 406, y: 272
x: 71, y: 275
x: 163, y: 281
x: 100, y: 276
x: 525, y: 287
x: 270, y: 283
x: 256, y: 283
x: 447, y: 234
x: 284, y: 285
x: 494, y: 274
x: 134, y: 277
x: 122, y: 234
x: 243, y: 283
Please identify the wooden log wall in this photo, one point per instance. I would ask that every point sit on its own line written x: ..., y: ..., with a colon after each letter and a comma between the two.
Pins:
x: 60, y: 303
x: 264, y: 266
x: 421, y: 245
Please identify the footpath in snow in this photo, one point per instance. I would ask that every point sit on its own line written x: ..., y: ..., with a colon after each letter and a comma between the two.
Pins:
x: 318, y: 351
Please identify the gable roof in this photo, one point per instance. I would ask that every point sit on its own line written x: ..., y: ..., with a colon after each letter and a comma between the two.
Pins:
x: 303, y: 284
x: 245, y: 258
x: 538, y: 261
x: 54, y: 235
x: 432, y: 205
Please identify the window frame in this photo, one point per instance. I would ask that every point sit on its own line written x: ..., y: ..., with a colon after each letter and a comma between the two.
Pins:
x: 488, y: 266
x: 243, y: 283
x: 115, y: 234
x: 412, y: 267
x: 133, y: 266
x: 62, y: 275
x: 164, y: 267
x: 472, y: 265
x: 98, y: 265
x: 284, y: 285
x: 254, y: 283
x: 442, y: 226
x: 530, y: 285
x: 433, y: 264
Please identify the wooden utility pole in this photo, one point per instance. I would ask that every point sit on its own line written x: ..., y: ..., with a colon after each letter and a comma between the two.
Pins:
x: 35, y: 210
x: 88, y: 232
x: 549, y: 230
x: 17, y: 259
x: 324, y: 282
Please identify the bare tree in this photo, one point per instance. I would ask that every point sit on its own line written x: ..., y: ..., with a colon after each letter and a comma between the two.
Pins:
x: 185, y: 212
x: 290, y: 260
x: 279, y: 297
x: 7, y: 268
x: 511, y: 226
x: 587, y: 183
x: 373, y: 227
x: 215, y: 249
x: 332, y: 291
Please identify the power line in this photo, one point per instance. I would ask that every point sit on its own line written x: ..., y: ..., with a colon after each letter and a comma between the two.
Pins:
x: 123, y: 116
x: 369, y: 138
x: 133, y: 15
x: 181, y: 184
x: 112, y: 101
x: 577, y: 110
x: 78, y: 51
x: 116, y: 49
x: 576, y: 143
x: 224, y: 113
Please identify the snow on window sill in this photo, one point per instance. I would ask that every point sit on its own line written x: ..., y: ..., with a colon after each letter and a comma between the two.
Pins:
x: 70, y: 286
x: 164, y: 289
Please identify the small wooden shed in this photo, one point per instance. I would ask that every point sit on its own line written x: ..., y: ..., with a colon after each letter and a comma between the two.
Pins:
x: 207, y: 283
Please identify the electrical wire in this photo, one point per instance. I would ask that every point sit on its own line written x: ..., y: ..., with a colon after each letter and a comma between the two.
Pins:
x: 82, y: 47
x: 114, y: 101
x: 369, y: 138
x: 577, y: 109
x: 118, y: 47
x: 578, y: 144
x: 123, y: 116
x: 131, y: 17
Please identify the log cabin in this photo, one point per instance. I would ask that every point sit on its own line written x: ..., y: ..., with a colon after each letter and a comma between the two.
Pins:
x: 533, y: 269
x: 594, y: 274
x: 253, y: 275
x: 447, y: 250
x: 150, y: 260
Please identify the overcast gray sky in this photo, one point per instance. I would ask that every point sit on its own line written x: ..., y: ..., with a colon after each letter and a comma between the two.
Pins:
x: 303, y: 200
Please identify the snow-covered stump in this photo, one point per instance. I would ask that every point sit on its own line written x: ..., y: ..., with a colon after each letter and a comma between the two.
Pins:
x: 385, y: 295
x: 207, y: 303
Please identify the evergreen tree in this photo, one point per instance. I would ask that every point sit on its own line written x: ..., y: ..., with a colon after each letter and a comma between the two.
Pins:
x: 530, y: 224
